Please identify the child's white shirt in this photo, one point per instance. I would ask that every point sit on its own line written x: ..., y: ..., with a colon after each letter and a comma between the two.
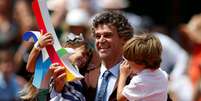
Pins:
x: 148, y: 85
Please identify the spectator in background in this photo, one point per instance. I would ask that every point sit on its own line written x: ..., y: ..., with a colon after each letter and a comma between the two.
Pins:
x: 138, y: 22
x: 192, y: 30
x: 73, y: 17
x: 9, y: 82
x: 77, y: 23
x: 7, y: 28
x: 174, y: 62
x: 23, y: 17
x: 187, y: 82
x: 191, y: 33
x: 24, y: 20
x: 60, y: 9
x: 174, y: 57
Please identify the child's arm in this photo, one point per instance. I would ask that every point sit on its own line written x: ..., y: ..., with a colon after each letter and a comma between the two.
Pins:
x: 43, y: 41
x: 124, y: 73
x: 32, y: 60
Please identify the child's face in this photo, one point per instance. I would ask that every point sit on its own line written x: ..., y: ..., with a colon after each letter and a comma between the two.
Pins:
x: 80, y: 57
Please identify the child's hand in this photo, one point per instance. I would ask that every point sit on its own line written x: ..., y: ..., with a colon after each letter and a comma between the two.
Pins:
x: 125, y: 69
x: 45, y: 39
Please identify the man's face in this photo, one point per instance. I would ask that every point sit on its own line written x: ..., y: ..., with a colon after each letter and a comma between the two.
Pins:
x: 108, y: 43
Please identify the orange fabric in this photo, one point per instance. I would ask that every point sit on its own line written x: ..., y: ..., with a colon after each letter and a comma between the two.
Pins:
x: 194, y: 70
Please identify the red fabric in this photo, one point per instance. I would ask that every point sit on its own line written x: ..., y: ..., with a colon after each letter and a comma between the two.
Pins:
x: 50, y: 49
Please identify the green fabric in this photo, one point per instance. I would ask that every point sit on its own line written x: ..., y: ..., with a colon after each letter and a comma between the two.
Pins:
x: 61, y: 52
x: 43, y: 95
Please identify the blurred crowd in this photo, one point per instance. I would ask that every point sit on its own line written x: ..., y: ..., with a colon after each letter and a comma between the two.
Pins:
x: 181, y: 56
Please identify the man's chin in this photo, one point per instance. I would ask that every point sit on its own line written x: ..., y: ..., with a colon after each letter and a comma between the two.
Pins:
x: 103, y: 55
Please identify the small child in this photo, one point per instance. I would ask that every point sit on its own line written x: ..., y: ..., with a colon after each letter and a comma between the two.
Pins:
x: 142, y: 55
x: 73, y: 91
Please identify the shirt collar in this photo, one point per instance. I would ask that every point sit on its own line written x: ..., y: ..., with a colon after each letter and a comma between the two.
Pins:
x: 145, y: 71
x: 114, y: 70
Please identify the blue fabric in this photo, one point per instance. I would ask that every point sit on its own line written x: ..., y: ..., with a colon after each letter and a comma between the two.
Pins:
x: 28, y: 35
x: 115, y: 70
x: 41, y: 69
x: 8, y: 90
x: 102, y: 91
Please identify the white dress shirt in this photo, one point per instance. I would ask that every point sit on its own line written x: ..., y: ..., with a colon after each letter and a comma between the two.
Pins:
x: 148, y: 85
x: 112, y: 79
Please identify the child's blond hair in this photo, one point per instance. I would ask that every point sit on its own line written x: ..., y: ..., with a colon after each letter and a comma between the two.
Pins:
x: 144, y: 49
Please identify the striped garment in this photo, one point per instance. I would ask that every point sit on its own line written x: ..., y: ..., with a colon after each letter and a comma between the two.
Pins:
x: 72, y: 91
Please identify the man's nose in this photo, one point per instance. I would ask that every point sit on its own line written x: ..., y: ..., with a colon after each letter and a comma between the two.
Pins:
x: 102, y: 39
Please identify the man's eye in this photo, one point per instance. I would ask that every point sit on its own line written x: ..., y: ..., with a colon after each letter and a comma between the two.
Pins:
x: 108, y: 35
x: 97, y: 36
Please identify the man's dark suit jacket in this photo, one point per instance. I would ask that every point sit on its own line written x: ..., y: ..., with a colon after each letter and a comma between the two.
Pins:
x: 90, y: 83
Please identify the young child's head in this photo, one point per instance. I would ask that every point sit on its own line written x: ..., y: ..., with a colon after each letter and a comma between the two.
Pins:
x: 83, y: 52
x: 144, y: 50
x: 82, y: 56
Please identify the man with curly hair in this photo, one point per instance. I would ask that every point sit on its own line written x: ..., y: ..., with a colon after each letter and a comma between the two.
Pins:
x: 110, y: 30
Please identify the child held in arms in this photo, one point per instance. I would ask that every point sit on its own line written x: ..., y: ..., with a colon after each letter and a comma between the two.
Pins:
x: 142, y: 57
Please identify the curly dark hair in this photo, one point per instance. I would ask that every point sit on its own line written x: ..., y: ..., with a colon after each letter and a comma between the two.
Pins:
x: 114, y: 18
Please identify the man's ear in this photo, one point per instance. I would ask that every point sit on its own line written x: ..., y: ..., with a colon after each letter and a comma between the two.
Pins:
x: 123, y: 41
x: 122, y: 44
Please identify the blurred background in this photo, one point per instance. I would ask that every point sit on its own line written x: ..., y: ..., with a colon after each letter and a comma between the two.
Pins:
x: 177, y: 23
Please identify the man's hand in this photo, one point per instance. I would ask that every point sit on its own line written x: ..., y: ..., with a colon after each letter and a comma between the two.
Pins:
x: 59, y: 76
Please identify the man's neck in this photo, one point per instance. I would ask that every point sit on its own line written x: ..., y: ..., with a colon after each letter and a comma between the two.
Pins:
x: 110, y: 63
